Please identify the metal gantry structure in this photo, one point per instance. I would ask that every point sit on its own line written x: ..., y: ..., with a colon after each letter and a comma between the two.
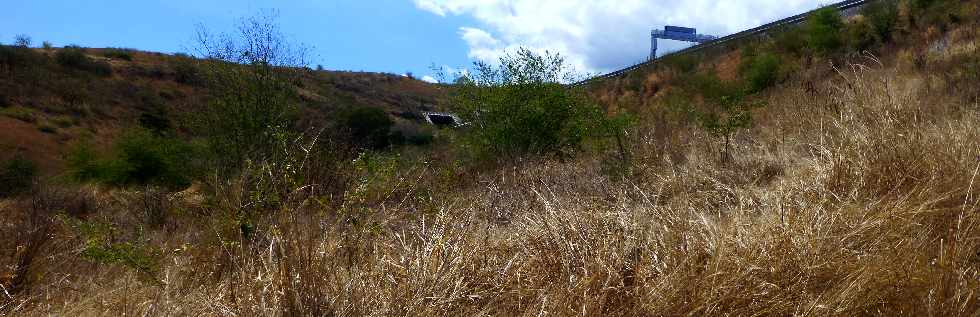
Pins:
x: 677, y: 33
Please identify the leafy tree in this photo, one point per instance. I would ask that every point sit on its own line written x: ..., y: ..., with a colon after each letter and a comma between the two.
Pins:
x: 725, y: 110
x: 883, y: 17
x: 824, y: 30
x: 521, y: 107
x: 249, y: 72
x: 22, y: 40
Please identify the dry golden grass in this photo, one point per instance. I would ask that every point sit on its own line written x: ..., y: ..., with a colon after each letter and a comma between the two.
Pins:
x: 860, y: 199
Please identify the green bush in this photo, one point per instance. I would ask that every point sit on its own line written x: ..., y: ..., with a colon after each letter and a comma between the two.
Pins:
x: 760, y: 70
x: 17, y: 176
x: 138, y: 157
x: 74, y: 57
x: 186, y: 70
x: 823, y: 30
x: 792, y: 40
x: 118, y: 53
x: 883, y: 17
x: 520, y: 107
x: 369, y: 128
x: 861, y: 35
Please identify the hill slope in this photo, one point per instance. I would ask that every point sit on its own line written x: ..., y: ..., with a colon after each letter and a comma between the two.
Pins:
x: 47, y: 105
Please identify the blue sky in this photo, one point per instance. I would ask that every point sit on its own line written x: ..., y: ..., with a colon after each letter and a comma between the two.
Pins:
x: 398, y: 36
x: 377, y: 35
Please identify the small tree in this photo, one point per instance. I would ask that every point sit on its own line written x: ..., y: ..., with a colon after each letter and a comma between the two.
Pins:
x: 520, y: 106
x: 249, y: 73
x: 724, y: 112
x: 760, y: 70
x: 369, y: 128
x: 22, y: 40
x: 824, y: 30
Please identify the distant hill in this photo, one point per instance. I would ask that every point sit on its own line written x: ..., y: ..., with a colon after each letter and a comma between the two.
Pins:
x: 48, y: 100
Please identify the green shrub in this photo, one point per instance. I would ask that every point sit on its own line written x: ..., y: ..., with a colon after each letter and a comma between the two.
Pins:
x: 520, y: 107
x: 823, y: 30
x: 103, y: 246
x: 74, y: 57
x: 760, y: 71
x: 861, y: 35
x: 186, y: 70
x: 792, y: 40
x: 883, y: 17
x: 369, y: 128
x: 118, y: 53
x: 138, y: 157
x: 17, y: 176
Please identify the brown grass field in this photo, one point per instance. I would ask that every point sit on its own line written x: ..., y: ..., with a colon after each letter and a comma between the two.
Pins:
x: 855, y: 195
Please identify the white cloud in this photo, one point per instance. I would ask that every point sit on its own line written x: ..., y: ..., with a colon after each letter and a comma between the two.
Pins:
x: 600, y: 35
x: 429, y: 79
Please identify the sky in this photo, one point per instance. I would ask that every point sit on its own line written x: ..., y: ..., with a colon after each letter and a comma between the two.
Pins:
x: 400, y: 36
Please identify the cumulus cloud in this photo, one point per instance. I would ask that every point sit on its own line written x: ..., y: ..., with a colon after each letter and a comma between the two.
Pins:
x: 429, y: 79
x: 600, y: 35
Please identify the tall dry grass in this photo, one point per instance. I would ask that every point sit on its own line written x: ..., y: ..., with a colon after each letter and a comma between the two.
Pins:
x: 859, y: 199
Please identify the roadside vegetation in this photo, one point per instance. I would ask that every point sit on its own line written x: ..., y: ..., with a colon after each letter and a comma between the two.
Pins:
x: 829, y: 169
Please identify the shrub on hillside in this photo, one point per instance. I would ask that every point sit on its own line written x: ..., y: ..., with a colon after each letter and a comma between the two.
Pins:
x: 883, y: 17
x: 74, y: 57
x: 521, y: 107
x: 138, y: 157
x: 369, y: 128
x: 186, y: 70
x: 760, y: 70
x: 861, y: 35
x: 13, y: 58
x: 118, y: 53
x: 790, y: 40
x: 17, y: 176
x: 823, y: 30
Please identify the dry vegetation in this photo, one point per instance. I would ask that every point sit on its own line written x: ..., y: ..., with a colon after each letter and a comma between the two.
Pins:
x: 857, y: 194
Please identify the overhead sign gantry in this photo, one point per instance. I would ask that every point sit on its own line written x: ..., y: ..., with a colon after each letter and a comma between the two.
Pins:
x: 677, y: 33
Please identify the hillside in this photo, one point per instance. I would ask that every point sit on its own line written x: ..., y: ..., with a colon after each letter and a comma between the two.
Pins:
x: 831, y: 169
x: 46, y: 105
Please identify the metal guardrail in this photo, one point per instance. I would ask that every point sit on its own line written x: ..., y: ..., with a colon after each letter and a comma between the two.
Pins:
x: 797, y: 19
